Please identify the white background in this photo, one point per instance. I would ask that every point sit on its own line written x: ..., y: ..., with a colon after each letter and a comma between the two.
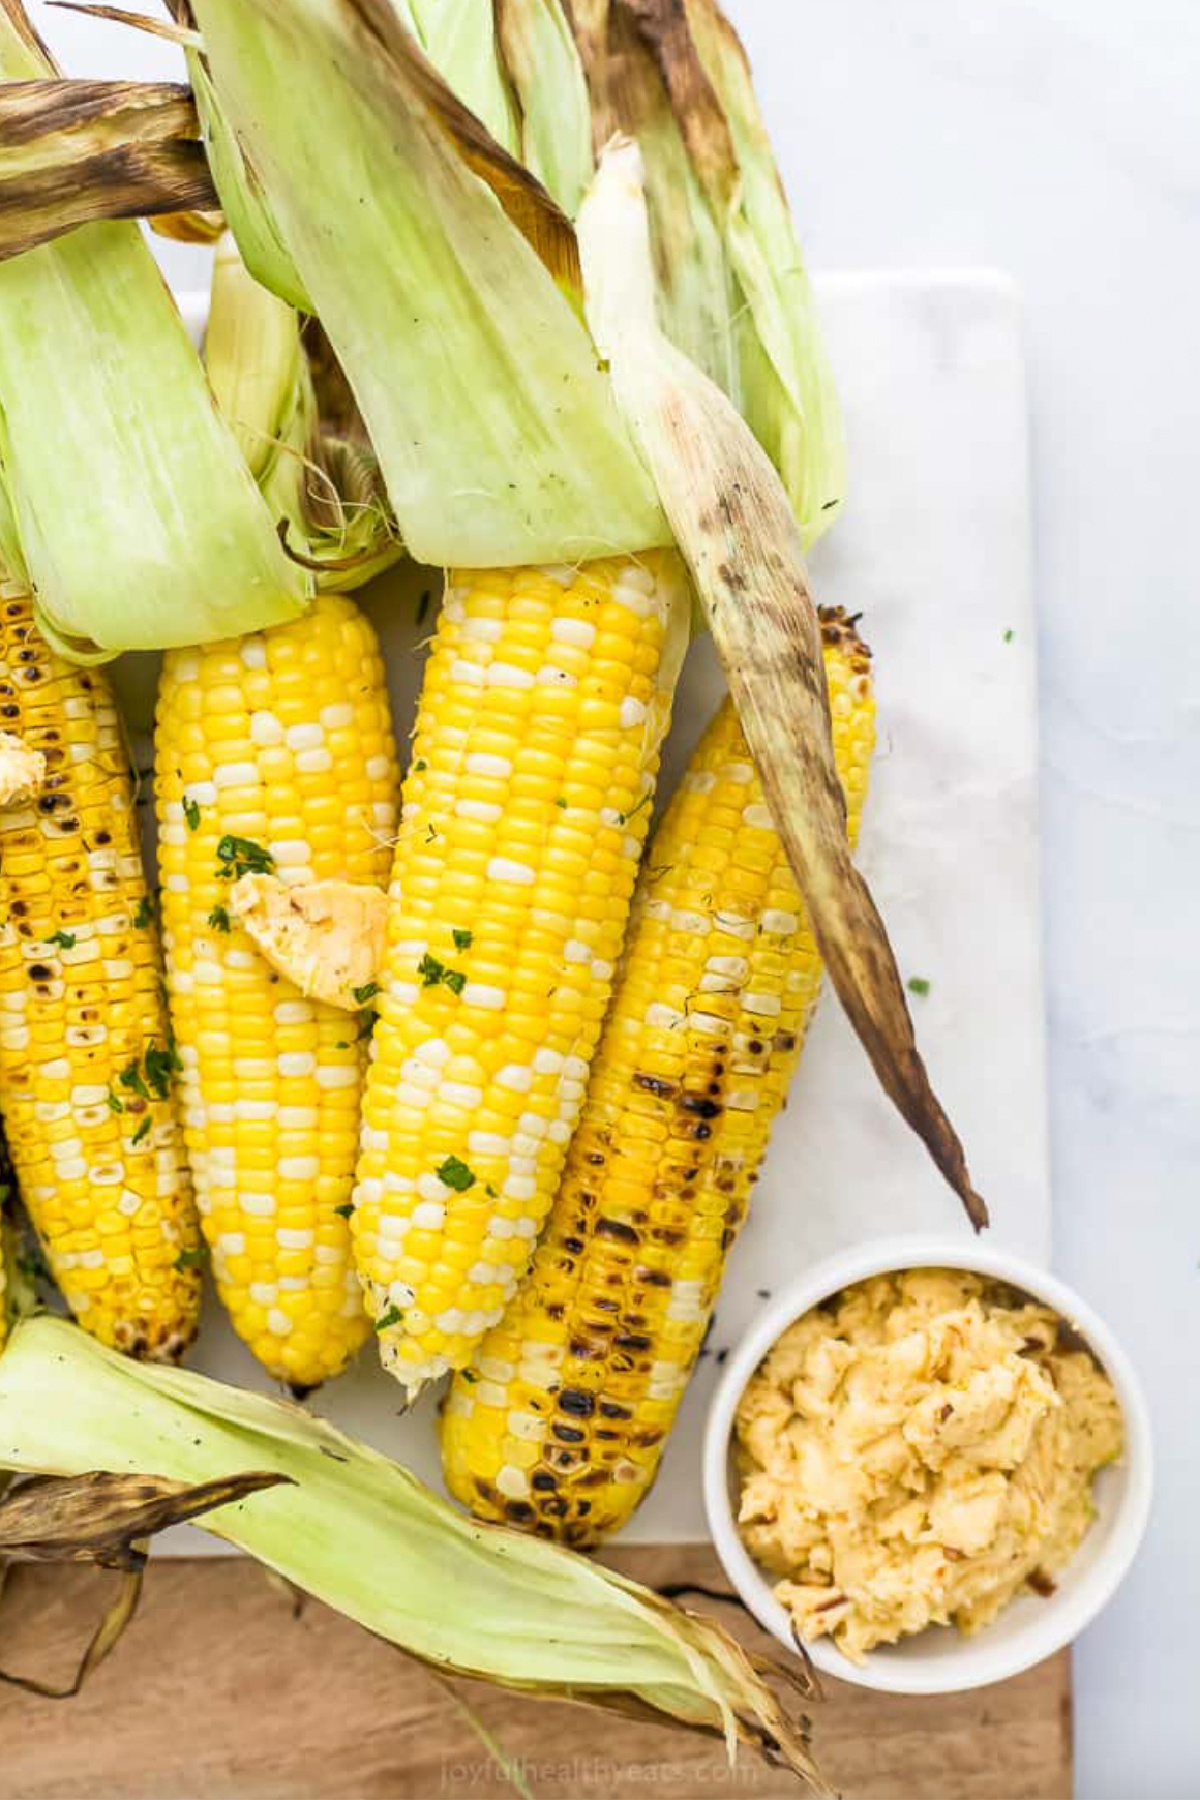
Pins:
x: 1059, y: 139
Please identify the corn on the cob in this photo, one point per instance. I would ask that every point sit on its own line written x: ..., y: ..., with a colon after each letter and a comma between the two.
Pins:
x: 86, y: 1060
x: 525, y: 808
x: 274, y: 751
x: 560, y: 1421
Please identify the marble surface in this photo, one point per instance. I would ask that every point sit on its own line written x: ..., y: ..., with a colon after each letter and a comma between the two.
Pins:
x: 1057, y: 139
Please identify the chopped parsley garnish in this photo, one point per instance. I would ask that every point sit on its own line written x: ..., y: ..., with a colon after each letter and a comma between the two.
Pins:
x: 240, y: 856
x: 462, y: 939
x: 64, y: 939
x: 561, y: 802
x: 218, y: 918
x: 432, y: 971
x: 917, y: 984
x: 151, y: 1078
x: 160, y: 1065
x: 385, y: 1321
x: 345, y: 1210
x: 115, y: 1105
x: 342, y: 1044
x: 419, y: 768
x: 191, y: 813
x: 1009, y: 635
x: 469, y: 1376
x: 143, y: 915
x: 456, y: 1175
x: 191, y: 1259
x: 367, y: 1020
x: 363, y: 994
x: 131, y: 1077
x: 143, y: 1130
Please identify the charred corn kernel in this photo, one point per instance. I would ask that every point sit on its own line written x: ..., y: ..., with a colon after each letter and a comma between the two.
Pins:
x: 535, y: 755
x: 274, y: 752
x: 86, y: 1063
x: 560, y: 1420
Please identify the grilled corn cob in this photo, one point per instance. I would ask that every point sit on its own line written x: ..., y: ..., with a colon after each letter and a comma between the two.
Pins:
x: 536, y: 748
x: 274, y: 752
x: 86, y: 1061
x: 560, y: 1420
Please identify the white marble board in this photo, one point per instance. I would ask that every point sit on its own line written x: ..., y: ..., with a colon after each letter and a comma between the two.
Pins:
x: 933, y: 550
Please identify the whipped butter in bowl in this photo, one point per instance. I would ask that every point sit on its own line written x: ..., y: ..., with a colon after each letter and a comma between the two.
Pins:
x: 928, y: 1463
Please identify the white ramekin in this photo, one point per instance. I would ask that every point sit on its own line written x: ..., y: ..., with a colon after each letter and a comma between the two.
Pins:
x: 940, y: 1660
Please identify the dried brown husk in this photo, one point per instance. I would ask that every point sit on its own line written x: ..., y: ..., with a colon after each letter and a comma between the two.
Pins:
x: 738, y: 534
x: 77, y: 151
x: 105, y: 1519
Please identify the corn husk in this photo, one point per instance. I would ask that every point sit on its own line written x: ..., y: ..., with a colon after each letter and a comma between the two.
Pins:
x: 365, y: 1536
x: 243, y: 202
x: 448, y: 298
x: 137, y: 522
x: 12, y: 560
x: 458, y: 38
x: 322, y: 487
x: 736, y: 531
x: 734, y: 292
x: 76, y: 151
x: 545, y: 71
x: 104, y: 1519
x: 698, y: 298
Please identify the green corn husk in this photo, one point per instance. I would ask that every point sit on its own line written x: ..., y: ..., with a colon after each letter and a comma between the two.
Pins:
x: 242, y: 200
x: 789, y: 397
x: 543, y: 66
x: 323, y: 488
x: 457, y: 37
x: 738, y: 535
x: 366, y: 1537
x: 698, y: 297
x: 494, y: 426
x: 734, y: 293
x: 12, y: 560
x: 138, y: 523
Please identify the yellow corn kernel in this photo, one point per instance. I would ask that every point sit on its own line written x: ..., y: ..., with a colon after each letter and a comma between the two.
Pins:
x: 86, y: 1064
x: 274, y: 750
x: 560, y: 1420
x: 546, y: 698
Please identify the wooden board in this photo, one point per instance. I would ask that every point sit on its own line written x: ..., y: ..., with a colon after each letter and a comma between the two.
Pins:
x: 218, y: 1693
